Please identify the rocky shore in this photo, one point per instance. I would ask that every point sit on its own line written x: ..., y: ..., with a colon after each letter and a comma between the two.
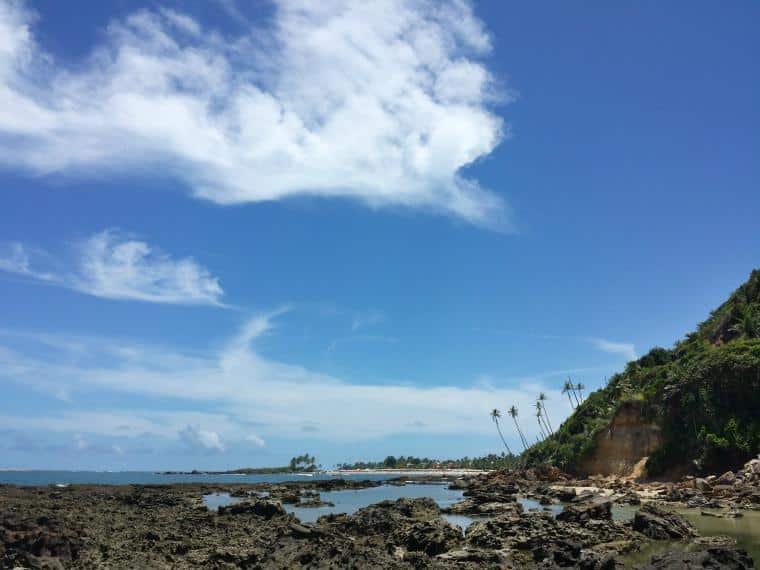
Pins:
x: 168, y: 526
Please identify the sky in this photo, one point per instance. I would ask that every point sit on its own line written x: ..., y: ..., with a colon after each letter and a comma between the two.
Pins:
x: 232, y: 232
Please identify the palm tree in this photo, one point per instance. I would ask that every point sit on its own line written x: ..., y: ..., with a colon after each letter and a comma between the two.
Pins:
x: 566, y: 389
x: 542, y: 398
x: 580, y: 387
x: 575, y: 394
x: 540, y: 423
x: 513, y: 413
x: 495, y: 416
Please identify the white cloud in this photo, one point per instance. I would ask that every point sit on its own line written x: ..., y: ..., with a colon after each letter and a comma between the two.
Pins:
x: 197, y: 438
x: 237, y: 387
x: 122, y: 423
x: 625, y: 349
x: 255, y: 440
x: 113, y: 266
x: 14, y: 258
x: 385, y: 102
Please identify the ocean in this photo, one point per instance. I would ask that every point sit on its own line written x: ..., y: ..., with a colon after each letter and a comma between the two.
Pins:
x: 155, y: 478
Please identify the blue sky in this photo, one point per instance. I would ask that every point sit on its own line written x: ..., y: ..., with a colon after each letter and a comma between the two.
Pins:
x: 232, y: 232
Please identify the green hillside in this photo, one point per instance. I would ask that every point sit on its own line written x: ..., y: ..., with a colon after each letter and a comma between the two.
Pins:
x: 704, y: 393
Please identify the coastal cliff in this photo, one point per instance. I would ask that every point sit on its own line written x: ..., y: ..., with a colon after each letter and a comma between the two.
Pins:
x: 690, y: 408
x: 627, y: 439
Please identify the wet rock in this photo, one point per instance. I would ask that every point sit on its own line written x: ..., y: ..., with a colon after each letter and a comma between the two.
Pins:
x: 659, y: 524
x: 385, y: 518
x: 493, y: 493
x: 341, y: 484
x: 713, y: 557
x: 431, y: 537
x: 717, y: 540
x: 459, y: 484
x: 471, y: 507
x: 540, y: 537
x: 597, y: 510
x: 592, y: 561
x: 260, y: 508
x: 566, y: 494
x: 700, y: 502
x: 730, y: 514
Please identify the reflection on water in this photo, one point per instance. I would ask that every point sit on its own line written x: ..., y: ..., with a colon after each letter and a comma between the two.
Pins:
x: 745, y: 530
x: 349, y: 501
x: 462, y: 521
x: 215, y: 500
x: 533, y: 505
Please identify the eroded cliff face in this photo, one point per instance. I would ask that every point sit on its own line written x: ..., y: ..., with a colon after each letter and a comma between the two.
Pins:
x: 622, y: 446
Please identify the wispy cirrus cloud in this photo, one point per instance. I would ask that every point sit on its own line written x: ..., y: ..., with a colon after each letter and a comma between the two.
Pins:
x: 113, y: 265
x: 227, y: 390
x: 625, y: 349
x: 270, y: 113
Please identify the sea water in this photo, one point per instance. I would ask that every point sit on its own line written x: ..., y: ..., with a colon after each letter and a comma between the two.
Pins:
x: 155, y: 478
x: 349, y: 501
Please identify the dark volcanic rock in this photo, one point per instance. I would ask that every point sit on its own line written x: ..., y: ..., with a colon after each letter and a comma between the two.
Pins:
x: 458, y: 484
x: 537, y: 537
x: 660, y: 524
x: 596, y: 510
x: 431, y: 537
x: 566, y: 494
x: 392, y: 520
x: 36, y: 543
x: 266, y: 509
x: 716, y: 557
x: 167, y: 527
x: 388, y: 516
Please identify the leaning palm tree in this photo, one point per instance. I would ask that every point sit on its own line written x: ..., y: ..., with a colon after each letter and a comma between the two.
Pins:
x: 575, y: 394
x: 540, y: 423
x: 495, y: 416
x: 542, y: 398
x: 567, y: 389
x: 513, y: 413
x: 580, y: 387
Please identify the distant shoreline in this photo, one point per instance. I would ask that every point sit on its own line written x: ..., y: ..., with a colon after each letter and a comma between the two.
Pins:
x: 335, y: 472
x: 407, y: 472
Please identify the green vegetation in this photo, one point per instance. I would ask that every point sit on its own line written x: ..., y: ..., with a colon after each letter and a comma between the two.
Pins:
x: 491, y: 461
x: 257, y: 471
x: 704, y: 393
x: 303, y: 463
x: 299, y: 464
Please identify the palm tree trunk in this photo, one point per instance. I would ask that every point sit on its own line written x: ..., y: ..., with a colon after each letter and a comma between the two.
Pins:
x: 546, y: 427
x: 541, y: 427
x: 575, y: 395
x: 546, y: 419
x: 504, y: 441
x: 520, y: 433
